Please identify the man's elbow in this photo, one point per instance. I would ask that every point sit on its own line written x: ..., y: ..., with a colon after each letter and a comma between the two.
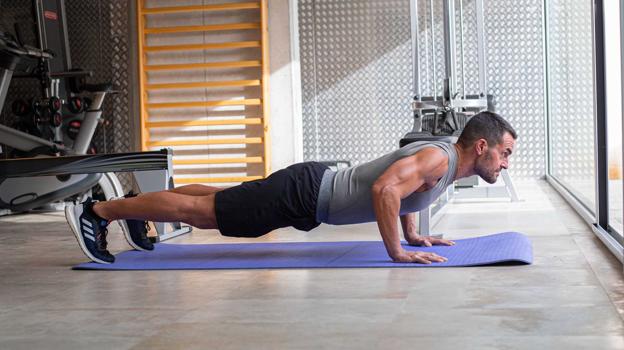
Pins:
x: 382, y: 191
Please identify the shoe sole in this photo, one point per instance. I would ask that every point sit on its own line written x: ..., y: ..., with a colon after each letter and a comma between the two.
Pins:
x: 126, y: 232
x: 71, y: 220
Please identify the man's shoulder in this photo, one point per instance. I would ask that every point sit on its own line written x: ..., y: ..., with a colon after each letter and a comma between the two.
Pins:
x: 432, y: 151
x: 433, y: 160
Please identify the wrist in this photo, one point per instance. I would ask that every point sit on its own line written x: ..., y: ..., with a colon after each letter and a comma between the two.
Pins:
x: 395, y: 252
x: 410, y: 237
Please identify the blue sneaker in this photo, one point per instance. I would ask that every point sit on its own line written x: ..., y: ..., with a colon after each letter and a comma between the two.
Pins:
x: 135, y: 231
x: 136, y: 234
x: 89, y: 231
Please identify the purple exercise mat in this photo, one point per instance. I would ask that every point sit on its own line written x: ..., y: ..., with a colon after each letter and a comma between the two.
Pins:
x: 486, y: 250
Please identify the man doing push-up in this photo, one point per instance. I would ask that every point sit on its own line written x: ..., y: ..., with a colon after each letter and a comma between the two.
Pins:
x: 305, y: 195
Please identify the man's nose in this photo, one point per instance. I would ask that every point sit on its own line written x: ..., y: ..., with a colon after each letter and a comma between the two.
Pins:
x: 505, y: 164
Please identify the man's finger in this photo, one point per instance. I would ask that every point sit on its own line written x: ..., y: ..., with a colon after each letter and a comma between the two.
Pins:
x: 417, y: 242
x: 427, y: 243
x: 443, y: 241
x: 436, y: 257
x: 418, y: 259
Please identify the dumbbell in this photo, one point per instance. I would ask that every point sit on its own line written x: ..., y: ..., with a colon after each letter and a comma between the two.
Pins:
x: 76, y: 104
x: 73, y: 127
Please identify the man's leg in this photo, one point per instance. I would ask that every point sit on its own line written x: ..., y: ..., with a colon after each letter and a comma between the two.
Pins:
x: 196, y: 190
x: 120, y: 209
x: 163, y: 206
x: 89, y: 220
x: 136, y: 230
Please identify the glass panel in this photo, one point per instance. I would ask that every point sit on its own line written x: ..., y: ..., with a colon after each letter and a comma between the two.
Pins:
x: 614, y: 112
x: 571, y: 94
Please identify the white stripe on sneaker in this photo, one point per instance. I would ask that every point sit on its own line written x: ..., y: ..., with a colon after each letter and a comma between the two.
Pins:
x: 87, y: 229
x: 90, y: 237
x: 85, y: 222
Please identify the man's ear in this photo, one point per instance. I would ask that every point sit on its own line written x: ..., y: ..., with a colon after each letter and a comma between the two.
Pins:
x: 481, y: 146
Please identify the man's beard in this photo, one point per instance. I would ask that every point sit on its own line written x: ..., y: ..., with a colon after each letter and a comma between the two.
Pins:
x: 481, y: 169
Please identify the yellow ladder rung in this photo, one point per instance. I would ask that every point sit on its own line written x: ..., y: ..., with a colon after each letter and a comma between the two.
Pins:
x: 189, y: 66
x: 208, y: 28
x: 245, y: 102
x: 183, y: 123
x: 191, y: 47
x: 245, y: 140
x: 217, y: 160
x: 192, y: 180
x: 217, y: 7
x: 204, y: 84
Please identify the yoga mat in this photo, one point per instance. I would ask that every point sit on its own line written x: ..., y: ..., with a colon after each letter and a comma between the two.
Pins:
x: 507, y: 247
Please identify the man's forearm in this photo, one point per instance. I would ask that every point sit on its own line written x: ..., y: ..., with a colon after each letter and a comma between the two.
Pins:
x: 408, y: 223
x: 387, y: 204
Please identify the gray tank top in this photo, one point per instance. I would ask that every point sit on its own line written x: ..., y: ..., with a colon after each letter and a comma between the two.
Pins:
x: 345, y: 196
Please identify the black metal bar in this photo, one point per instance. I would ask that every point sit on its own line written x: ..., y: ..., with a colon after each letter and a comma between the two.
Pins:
x: 86, y: 164
x: 602, y: 175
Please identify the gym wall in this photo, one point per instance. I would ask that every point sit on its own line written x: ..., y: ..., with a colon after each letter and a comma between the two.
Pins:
x: 283, y: 116
x: 217, y: 130
x: 100, y: 37
x: 103, y: 37
x: 357, y: 76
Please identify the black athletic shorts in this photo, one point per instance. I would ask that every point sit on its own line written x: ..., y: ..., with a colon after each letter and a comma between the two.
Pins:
x: 286, y: 198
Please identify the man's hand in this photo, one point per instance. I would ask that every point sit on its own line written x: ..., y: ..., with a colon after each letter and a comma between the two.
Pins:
x: 427, y: 241
x: 406, y: 256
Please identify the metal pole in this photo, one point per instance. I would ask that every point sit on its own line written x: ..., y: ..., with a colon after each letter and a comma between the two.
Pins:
x: 415, y: 48
x: 481, y: 48
x: 547, y: 99
x: 461, y: 43
x: 433, y: 58
x: 449, y: 46
x: 5, y: 81
x: 89, y: 124
x: 622, y: 82
x: 426, y: 44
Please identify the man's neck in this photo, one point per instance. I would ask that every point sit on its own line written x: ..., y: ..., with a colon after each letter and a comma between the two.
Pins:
x: 465, y: 166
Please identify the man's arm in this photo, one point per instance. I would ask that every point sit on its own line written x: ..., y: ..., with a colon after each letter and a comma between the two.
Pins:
x: 400, y: 180
x: 408, y: 222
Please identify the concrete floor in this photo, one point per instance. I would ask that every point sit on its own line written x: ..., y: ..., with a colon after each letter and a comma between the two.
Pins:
x: 585, y: 188
x: 571, y: 298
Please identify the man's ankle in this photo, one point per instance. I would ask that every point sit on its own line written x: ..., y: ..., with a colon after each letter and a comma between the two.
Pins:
x: 96, y: 209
